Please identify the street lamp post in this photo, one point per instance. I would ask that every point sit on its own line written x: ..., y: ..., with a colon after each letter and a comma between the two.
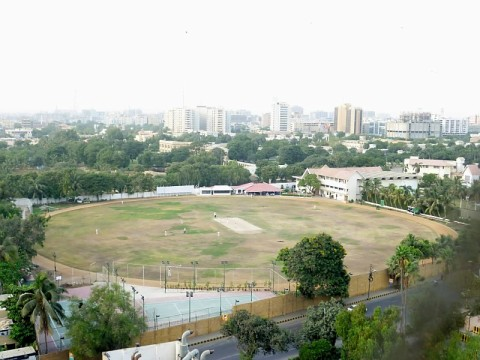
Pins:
x: 220, y: 293
x: 54, y: 266
x: 165, y: 263
x: 134, y: 292
x: 143, y: 307
x: 370, y: 280
x: 224, y: 263
x: 189, y: 295
x: 273, y: 274
x: 194, y: 263
x: 251, y: 285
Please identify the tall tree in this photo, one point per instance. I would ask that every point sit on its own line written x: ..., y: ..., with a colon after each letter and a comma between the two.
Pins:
x: 404, y: 264
x: 106, y: 321
x: 316, y: 263
x: 41, y: 302
x: 255, y: 333
x: 311, y: 183
x: 368, y: 338
x: 320, y: 322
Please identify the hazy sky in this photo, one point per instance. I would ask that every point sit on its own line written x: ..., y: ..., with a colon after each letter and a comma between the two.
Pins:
x: 387, y: 56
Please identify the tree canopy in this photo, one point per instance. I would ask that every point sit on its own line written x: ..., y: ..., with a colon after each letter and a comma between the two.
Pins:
x: 107, y: 320
x: 255, y: 334
x: 316, y: 264
x: 365, y: 338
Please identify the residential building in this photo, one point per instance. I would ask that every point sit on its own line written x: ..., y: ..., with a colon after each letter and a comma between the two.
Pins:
x: 441, y: 168
x: 280, y: 117
x: 452, y: 126
x: 471, y: 174
x: 217, y: 121
x: 182, y: 120
x: 345, y: 184
x: 169, y: 145
x: 348, y: 119
x: 202, y: 117
x: 22, y: 133
x: 144, y: 135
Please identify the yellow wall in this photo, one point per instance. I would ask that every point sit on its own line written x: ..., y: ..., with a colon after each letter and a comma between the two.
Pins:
x: 269, y: 308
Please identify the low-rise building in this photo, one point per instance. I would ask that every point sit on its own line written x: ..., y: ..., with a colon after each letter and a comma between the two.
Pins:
x: 471, y: 174
x: 169, y: 145
x: 441, y: 168
x: 144, y: 135
x: 256, y: 189
x: 345, y: 184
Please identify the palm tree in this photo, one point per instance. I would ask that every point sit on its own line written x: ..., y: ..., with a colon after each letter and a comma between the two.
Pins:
x: 459, y: 189
x: 376, y: 186
x: 40, y: 302
x: 403, y: 264
x: 8, y: 250
x: 367, y: 189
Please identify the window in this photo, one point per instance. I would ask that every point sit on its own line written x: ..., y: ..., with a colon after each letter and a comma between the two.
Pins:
x: 476, y: 329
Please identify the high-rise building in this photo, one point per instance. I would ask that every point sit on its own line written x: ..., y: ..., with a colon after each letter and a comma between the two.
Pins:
x: 181, y: 120
x: 348, y: 119
x: 202, y: 117
x: 280, y: 117
x: 217, y: 121
x: 454, y: 126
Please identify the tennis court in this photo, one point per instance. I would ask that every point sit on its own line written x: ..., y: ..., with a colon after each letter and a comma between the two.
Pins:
x: 169, y: 309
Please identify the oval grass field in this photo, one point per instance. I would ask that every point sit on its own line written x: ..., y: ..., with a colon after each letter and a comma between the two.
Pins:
x: 182, y: 229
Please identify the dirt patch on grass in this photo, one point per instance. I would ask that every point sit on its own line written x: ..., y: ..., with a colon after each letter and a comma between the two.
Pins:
x: 238, y: 225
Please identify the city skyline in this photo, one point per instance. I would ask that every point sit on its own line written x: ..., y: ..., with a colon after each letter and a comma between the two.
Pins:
x: 113, y: 56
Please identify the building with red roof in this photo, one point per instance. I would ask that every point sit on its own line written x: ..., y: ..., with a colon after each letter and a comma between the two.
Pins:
x: 251, y: 188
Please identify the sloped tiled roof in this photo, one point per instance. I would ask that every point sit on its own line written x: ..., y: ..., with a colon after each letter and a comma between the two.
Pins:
x: 344, y: 173
x: 432, y: 162
x: 243, y: 186
x: 262, y: 187
x: 474, y: 169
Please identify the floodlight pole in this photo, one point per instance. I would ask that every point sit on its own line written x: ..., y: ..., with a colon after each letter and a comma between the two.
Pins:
x: 273, y: 275
x: 54, y: 266
x: 224, y: 263
x: 194, y: 263
x: 165, y: 263
x: 370, y: 280
x: 189, y: 294
x: 134, y: 292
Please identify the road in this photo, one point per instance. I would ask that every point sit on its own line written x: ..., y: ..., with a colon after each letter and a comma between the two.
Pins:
x: 227, y: 348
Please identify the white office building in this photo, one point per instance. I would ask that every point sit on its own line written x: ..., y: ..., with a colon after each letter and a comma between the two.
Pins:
x: 280, y: 117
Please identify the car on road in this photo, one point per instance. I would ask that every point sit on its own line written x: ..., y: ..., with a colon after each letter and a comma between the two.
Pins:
x: 353, y: 306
